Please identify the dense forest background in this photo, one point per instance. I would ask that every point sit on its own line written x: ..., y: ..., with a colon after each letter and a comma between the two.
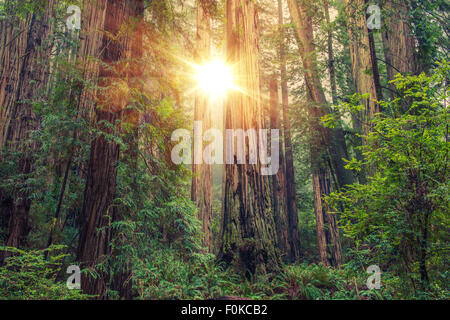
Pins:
x: 357, y: 88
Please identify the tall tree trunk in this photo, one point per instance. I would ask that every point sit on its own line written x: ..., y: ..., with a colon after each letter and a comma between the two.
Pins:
x: 331, y: 218
x: 398, y: 41
x: 325, y: 152
x: 122, y: 279
x: 89, y: 53
x: 331, y: 65
x: 248, y: 231
x: 363, y: 61
x: 279, y: 196
x: 321, y: 184
x: 95, y: 235
x: 14, y: 43
x: 201, y: 191
x: 14, y: 34
x: 24, y: 74
x: 343, y: 177
x: 294, y: 234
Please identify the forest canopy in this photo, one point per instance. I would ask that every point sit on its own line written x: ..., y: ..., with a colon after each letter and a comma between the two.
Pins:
x: 224, y: 149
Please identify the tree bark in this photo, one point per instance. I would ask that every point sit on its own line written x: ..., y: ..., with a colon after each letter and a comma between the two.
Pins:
x: 294, y: 234
x: 112, y: 98
x: 248, y: 232
x: 398, y: 41
x: 344, y: 177
x: 361, y: 52
x: 201, y: 190
x: 24, y: 74
x: 14, y: 35
x: 331, y: 66
x: 321, y: 184
x: 279, y: 194
x: 89, y: 53
x: 326, y: 153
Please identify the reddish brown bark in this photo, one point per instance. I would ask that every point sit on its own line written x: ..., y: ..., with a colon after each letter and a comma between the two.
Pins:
x: 279, y: 196
x: 320, y: 185
x: 98, y: 210
x: 364, y: 70
x: 331, y: 65
x: 248, y: 231
x: 294, y: 234
x: 325, y: 152
x: 201, y: 190
x: 398, y: 41
x: 89, y: 53
x: 24, y: 74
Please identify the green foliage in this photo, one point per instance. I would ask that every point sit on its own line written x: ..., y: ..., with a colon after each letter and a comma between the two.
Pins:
x: 27, y: 275
x: 428, y: 19
x: 399, y: 219
x: 166, y: 275
x: 316, y: 282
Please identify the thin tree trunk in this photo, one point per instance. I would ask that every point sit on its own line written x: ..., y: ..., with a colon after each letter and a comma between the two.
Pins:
x: 344, y: 177
x: 61, y: 193
x: 320, y: 183
x: 326, y: 153
x: 294, y: 234
x: 201, y: 191
x: 248, y: 235
x: 279, y: 195
x: 331, y: 66
x: 334, y: 238
x: 375, y: 71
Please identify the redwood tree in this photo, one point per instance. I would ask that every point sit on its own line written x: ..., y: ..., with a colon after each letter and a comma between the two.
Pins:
x: 112, y: 98
x: 398, y: 41
x: 201, y: 191
x: 248, y: 230
x: 325, y: 153
x: 293, y: 235
x: 279, y: 195
x: 24, y: 55
x: 364, y: 64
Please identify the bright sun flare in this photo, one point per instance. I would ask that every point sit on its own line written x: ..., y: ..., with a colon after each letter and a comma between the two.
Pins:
x: 214, y: 78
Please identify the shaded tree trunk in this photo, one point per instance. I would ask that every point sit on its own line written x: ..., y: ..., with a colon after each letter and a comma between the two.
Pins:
x: 294, y: 234
x: 344, y: 177
x: 330, y: 51
x: 279, y: 196
x: 326, y: 153
x: 98, y: 210
x: 321, y: 183
x: 201, y: 190
x: 89, y: 53
x: 14, y: 44
x: 122, y: 278
x: 364, y: 70
x: 248, y: 230
x: 398, y: 41
x: 24, y: 75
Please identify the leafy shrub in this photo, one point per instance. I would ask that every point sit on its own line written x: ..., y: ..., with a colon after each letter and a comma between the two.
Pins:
x: 399, y: 220
x: 27, y: 275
